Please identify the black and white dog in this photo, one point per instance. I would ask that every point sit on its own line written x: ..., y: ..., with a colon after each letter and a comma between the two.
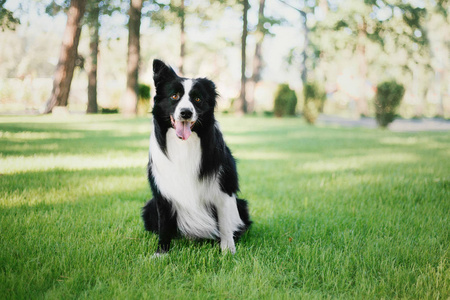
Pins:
x: 191, y: 171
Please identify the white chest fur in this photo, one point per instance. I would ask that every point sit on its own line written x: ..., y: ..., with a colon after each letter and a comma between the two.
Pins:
x: 176, y: 176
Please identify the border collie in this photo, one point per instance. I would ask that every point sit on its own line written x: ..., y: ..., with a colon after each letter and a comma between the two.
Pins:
x: 191, y: 171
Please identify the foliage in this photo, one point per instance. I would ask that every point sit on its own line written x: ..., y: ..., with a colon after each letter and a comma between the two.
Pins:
x: 314, y: 98
x: 285, y: 101
x: 394, y: 34
x: 143, y: 104
x: 379, y: 22
x: 378, y: 37
x: 54, y: 8
x: 103, y: 7
x: 7, y: 19
x: 166, y: 13
x: 144, y: 92
x: 310, y: 112
x: 388, y: 98
x: 324, y: 226
x: 106, y: 110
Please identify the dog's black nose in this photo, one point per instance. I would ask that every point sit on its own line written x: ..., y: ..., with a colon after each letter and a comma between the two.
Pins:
x: 186, y: 114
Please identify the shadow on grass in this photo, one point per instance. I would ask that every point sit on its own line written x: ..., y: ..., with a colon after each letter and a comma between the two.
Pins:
x: 338, y: 212
x: 26, y: 141
x: 73, y: 184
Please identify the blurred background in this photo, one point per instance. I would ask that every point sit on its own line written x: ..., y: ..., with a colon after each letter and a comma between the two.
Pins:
x: 335, y: 51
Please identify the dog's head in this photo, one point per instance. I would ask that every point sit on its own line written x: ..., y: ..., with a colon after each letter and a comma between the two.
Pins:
x: 185, y: 104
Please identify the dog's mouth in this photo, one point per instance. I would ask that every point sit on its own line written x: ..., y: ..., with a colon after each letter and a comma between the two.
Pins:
x: 183, y: 129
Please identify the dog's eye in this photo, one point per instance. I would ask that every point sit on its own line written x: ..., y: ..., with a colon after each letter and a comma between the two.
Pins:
x: 175, y: 96
x: 198, y: 100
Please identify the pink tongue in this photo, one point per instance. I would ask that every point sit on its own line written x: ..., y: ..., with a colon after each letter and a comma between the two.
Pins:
x: 183, y: 129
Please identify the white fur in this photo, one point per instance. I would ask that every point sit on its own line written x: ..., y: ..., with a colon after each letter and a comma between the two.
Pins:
x: 185, y: 102
x: 177, y: 177
x: 229, y: 221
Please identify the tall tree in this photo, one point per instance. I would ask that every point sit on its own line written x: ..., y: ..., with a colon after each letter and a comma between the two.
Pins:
x: 182, y: 16
x: 94, y: 9
x: 257, y: 58
x: 385, y: 23
x: 305, y: 34
x: 174, y: 12
x: 177, y: 12
x: 241, y: 105
x: 68, y: 55
x: 130, y: 99
x: 94, y: 26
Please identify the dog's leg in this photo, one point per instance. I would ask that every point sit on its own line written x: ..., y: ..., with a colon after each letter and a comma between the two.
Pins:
x: 245, y: 217
x: 229, y: 221
x: 150, y: 216
x: 167, y: 225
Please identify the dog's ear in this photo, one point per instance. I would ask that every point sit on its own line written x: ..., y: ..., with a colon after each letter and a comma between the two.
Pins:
x: 162, y: 72
x: 210, y: 89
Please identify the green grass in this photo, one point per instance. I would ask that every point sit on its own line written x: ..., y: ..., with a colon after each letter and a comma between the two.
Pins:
x: 338, y: 213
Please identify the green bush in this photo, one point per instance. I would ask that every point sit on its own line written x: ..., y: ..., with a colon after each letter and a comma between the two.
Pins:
x: 314, y: 98
x: 310, y: 112
x: 388, y: 98
x: 143, y: 105
x: 144, y: 91
x: 106, y: 110
x: 285, y: 101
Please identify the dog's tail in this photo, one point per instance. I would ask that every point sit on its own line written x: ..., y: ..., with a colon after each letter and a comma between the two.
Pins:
x: 150, y: 216
x: 242, y: 206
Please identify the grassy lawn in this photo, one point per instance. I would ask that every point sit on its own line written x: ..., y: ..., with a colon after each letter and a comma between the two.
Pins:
x: 338, y: 213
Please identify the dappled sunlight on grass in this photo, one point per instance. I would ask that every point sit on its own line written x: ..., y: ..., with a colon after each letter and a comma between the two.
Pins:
x: 345, y: 212
x: 19, y: 164
x: 256, y: 155
x: 28, y: 147
x: 241, y: 125
x: 69, y: 119
x: 119, y: 129
x: 50, y: 160
x: 240, y: 140
x: 71, y: 124
x: 30, y: 135
x: 63, y: 186
x: 359, y: 162
x: 422, y: 142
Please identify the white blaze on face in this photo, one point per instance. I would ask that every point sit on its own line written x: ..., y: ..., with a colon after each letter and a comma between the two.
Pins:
x: 183, y: 125
x: 185, y: 103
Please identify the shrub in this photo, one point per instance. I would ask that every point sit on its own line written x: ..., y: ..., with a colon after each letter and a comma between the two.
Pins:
x: 144, y: 91
x: 310, y: 112
x: 143, y: 105
x: 285, y: 101
x: 314, y: 98
x: 388, y: 97
x: 106, y: 110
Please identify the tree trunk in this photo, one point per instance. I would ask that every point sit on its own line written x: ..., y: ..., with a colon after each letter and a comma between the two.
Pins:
x: 242, y: 103
x: 68, y: 54
x: 257, y: 58
x: 182, y: 38
x: 92, y: 107
x: 362, y: 106
x: 130, y: 99
x: 304, y: 74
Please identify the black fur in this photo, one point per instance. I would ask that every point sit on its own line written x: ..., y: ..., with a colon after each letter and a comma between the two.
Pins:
x: 150, y: 216
x: 158, y: 214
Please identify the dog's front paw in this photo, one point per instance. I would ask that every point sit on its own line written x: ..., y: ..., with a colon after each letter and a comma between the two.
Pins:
x: 228, y: 245
x: 159, y: 255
